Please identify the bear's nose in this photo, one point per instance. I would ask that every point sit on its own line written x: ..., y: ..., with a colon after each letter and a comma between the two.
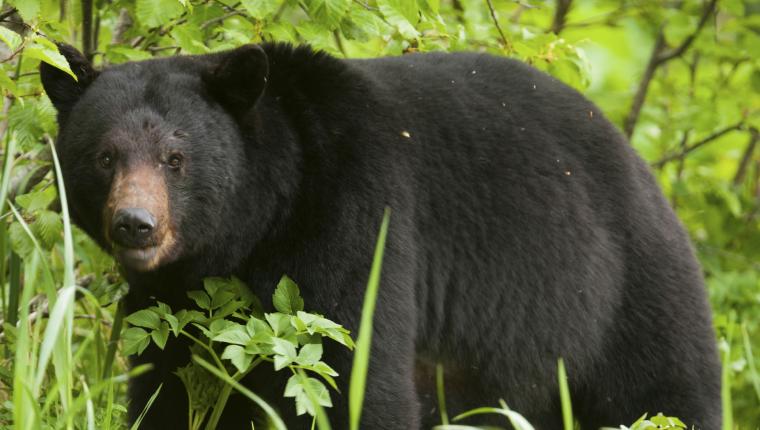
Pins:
x: 132, y: 227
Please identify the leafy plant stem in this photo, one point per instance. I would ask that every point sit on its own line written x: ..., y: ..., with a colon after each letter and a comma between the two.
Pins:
x: 216, y: 413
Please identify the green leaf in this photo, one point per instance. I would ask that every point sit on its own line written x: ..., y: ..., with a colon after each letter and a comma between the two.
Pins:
x: 221, y: 298
x: 309, y: 354
x: 161, y: 335
x: 262, y: 329
x: 323, y: 368
x: 189, y: 38
x: 235, y: 334
x: 323, y: 326
x: 135, y: 340
x: 402, y: 14
x: 328, y: 12
x: 48, y: 227
x: 28, y: 9
x: 360, y: 24
x: 21, y: 243
x: 10, y: 38
x: 238, y: 356
x: 295, y: 388
x: 154, y: 13
x: 755, y: 80
x: 261, y: 9
x: 280, y: 323
x: 679, y: 27
x: 200, y: 298
x: 285, y: 353
x: 144, y: 318
x: 433, y: 6
x: 287, y: 297
x: 7, y: 85
x: 45, y: 50
x: 185, y: 317
x: 173, y: 323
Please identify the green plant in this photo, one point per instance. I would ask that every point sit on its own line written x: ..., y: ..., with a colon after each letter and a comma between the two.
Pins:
x: 232, y: 333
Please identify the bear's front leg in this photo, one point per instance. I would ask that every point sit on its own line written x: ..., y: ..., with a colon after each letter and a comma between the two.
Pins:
x: 169, y: 410
x: 390, y: 395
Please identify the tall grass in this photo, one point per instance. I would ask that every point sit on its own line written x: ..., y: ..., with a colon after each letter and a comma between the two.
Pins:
x: 52, y: 383
x: 364, y: 339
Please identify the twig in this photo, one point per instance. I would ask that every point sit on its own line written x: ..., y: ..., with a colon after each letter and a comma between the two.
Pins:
x: 220, y: 18
x: 87, y: 29
x: 659, y: 57
x: 14, y: 53
x: 7, y: 13
x: 741, y: 172
x: 678, y: 51
x: 507, y: 45
x: 684, y: 152
x: 560, y: 16
x: 154, y: 49
x: 641, y: 93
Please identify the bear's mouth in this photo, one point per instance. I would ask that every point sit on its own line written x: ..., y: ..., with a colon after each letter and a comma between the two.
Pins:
x: 140, y: 259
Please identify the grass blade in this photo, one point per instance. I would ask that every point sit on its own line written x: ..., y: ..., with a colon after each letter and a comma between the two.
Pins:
x: 90, y: 409
x: 726, y: 376
x: 10, y: 149
x: 518, y: 421
x: 564, y: 395
x: 145, y: 410
x: 14, y: 293
x: 364, y: 340
x: 754, y: 376
x: 441, y: 393
x: 24, y: 403
x: 62, y: 354
x: 52, y: 332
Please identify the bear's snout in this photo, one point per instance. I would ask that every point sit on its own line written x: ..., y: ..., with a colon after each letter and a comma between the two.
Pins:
x: 133, y: 227
x: 136, y: 218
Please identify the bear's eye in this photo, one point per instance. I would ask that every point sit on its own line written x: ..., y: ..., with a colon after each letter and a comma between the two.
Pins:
x: 106, y: 160
x: 175, y: 161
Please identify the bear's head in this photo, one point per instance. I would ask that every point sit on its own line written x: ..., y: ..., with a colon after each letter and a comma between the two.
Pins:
x: 153, y: 153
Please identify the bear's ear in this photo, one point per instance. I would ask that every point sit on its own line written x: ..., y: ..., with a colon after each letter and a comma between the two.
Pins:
x: 62, y: 89
x: 238, y: 77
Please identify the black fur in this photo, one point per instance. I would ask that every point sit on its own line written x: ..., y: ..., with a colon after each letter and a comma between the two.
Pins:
x: 524, y: 228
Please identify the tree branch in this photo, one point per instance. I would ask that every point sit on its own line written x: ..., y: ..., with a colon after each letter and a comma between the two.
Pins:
x: 641, y: 92
x: 686, y: 150
x: 219, y: 19
x: 560, y: 15
x: 659, y: 57
x: 680, y: 49
x: 8, y: 13
x: 741, y: 172
x: 507, y: 45
x: 87, y: 29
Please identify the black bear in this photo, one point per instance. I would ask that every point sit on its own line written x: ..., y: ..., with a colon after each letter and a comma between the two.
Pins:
x: 524, y: 228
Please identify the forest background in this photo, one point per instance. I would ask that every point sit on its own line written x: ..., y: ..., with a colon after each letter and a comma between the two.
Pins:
x: 680, y: 78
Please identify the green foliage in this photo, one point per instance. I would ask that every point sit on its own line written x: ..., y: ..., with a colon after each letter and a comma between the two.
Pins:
x: 62, y: 337
x: 231, y: 328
